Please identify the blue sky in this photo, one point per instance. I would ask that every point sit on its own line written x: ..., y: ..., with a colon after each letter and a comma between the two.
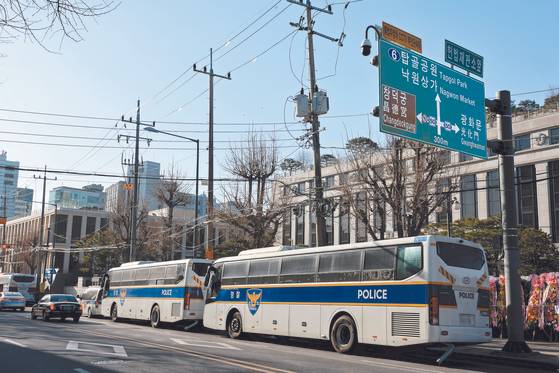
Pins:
x: 143, y: 45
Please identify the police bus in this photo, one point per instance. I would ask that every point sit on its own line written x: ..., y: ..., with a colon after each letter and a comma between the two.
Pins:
x: 20, y: 282
x: 155, y: 291
x: 416, y: 290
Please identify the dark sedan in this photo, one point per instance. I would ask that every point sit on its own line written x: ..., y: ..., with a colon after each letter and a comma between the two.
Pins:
x: 57, y: 306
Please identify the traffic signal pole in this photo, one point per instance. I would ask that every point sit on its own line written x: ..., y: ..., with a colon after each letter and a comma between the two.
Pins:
x: 515, y: 323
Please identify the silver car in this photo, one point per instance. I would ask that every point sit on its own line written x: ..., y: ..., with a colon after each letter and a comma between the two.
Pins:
x: 12, y: 300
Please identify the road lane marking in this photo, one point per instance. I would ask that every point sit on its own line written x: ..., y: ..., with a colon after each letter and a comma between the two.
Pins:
x: 75, y: 346
x: 108, y: 362
x: 80, y: 370
x: 201, y: 343
x: 405, y: 368
x: 197, y: 354
x: 14, y: 342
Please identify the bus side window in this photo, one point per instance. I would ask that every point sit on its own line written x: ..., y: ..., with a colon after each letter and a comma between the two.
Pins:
x: 298, y: 269
x: 379, y: 264
x: 409, y: 261
x: 235, y: 273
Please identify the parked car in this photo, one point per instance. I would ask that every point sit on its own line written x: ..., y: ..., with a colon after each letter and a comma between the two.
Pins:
x: 91, y: 301
x: 57, y: 306
x: 12, y: 300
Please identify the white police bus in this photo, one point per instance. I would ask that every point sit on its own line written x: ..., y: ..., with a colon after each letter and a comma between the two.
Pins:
x: 155, y: 291
x: 20, y: 282
x: 416, y: 290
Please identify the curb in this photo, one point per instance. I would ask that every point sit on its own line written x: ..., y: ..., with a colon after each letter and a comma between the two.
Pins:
x: 496, y: 357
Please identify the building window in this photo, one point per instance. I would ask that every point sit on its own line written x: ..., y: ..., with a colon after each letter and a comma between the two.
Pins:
x: 286, y: 228
x: 442, y: 210
x: 344, y: 178
x: 328, y: 182
x: 554, y: 200
x: 361, y: 217
x: 60, y: 228
x: 465, y: 157
x: 104, y: 224
x: 344, y: 222
x: 330, y: 226
x: 301, y: 187
x: 379, y: 217
x: 90, y: 225
x: 493, y: 193
x: 554, y: 136
x: 300, y: 225
x: 527, y: 196
x: 312, y: 218
x: 76, y: 228
x: 468, y: 200
x: 522, y: 142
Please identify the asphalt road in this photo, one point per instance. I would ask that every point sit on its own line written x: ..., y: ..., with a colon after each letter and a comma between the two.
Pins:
x: 99, y: 345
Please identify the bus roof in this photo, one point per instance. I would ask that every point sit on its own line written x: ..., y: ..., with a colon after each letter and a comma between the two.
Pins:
x: 292, y: 250
x: 148, y: 264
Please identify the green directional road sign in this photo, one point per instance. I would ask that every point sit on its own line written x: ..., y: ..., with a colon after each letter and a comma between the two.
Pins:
x: 461, y: 57
x: 423, y: 100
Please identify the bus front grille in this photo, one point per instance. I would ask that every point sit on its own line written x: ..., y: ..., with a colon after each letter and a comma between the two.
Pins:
x: 405, y: 324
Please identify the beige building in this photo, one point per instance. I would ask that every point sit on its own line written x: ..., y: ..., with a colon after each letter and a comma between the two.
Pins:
x: 67, y: 226
x: 536, y: 137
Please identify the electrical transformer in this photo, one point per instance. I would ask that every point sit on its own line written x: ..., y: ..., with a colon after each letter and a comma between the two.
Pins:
x: 320, y: 103
x: 301, y: 105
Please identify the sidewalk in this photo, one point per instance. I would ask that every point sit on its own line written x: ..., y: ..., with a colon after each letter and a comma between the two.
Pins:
x: 544, y: 355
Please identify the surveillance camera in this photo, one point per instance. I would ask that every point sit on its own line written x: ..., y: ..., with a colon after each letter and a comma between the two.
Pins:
x: 366, y: 47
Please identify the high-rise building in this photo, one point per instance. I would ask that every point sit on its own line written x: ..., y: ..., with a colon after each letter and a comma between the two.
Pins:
x: 149, y: 180
x: 117, y: 197
x: 8, y: 183
x: 24, y: 202
x: 89, y: 197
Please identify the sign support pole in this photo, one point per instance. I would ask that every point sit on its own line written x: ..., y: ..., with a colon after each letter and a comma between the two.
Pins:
x: 515, y: 325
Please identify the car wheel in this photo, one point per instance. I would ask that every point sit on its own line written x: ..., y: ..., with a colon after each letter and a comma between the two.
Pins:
x: 22, y: 309
x: 235, y: 326
x: 76, y: 319
x: 343, y: 335
x: 155, y: 317
x: 89, y: 313
x: 33, y: 316
x: 62, y: 319
x: 46, y: 317
x: 114, y: 313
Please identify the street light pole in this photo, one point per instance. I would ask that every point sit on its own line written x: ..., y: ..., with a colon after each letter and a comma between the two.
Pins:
x: 197, y: 141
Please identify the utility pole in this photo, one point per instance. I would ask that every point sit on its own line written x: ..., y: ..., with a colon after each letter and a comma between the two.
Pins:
x: 5, y: 214
x: 504, y: 146
x: 210, y: 203
x: 134, y: 207
x: 313, y: 116
x: 42, y: 225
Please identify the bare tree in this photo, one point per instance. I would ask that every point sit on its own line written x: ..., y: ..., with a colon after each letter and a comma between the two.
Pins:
x: 401, y: 179
x: 251, y: 207
x: 171, y: 192
x: 38, y: 19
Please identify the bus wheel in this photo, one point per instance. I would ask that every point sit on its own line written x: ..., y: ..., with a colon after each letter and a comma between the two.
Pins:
x: 343, y: 335
x: 235, y: 325
x: 155, y: 317
x: 114, y: 313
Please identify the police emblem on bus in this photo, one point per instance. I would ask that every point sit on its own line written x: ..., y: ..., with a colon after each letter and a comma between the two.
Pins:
x: 254, y: 296
x: 122, y: 296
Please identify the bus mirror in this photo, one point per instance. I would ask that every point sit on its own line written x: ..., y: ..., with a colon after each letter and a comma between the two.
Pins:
x: 209, y: 273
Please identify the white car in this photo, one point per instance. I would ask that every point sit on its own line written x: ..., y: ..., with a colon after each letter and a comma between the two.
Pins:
x: 12, y: 300
x: 91, y: 301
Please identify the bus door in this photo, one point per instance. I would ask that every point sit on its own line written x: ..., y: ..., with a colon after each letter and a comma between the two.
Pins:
x: 194, y: 292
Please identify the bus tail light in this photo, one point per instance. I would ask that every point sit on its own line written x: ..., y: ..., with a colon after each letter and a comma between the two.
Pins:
x: 433, y: 305
x: 187, y: 299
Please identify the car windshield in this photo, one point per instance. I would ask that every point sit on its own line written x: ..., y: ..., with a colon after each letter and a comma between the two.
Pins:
x: 62, y: 298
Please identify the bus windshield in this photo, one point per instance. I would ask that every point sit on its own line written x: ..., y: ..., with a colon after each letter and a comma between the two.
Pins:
x: 461, y: 256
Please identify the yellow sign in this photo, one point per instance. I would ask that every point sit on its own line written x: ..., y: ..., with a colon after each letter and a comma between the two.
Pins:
x: 128, y: 186
x: 209, y: 253
x: 3, y: 220
x: 401, y: 37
